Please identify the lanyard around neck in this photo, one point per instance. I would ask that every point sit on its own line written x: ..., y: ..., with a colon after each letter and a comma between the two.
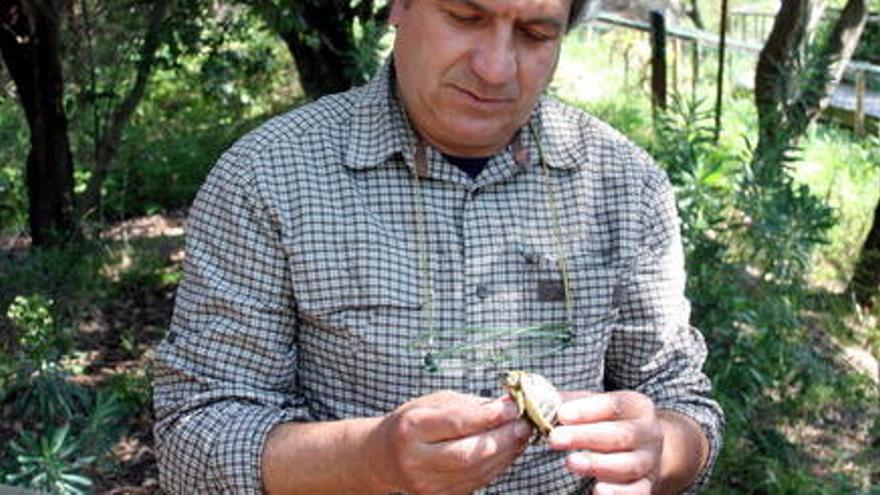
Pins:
x: 559, y: 335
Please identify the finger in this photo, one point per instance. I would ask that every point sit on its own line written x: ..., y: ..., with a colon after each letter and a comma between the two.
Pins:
x: 498, y: 464
x: 620, y: 467
x: 464, y: 474
x: 459, y: 418
x: 608, y: 406
x: 467, y: 452
x: 568, y: 395
x: 640, y: 487
x: 604, y: 436
x: 495, y: 466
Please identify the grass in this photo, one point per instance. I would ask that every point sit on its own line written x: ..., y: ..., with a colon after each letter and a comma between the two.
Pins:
x: 847, y: 173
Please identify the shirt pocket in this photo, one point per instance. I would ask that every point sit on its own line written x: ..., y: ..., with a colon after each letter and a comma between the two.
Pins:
x: 579, y: 364
x: 355, y: 338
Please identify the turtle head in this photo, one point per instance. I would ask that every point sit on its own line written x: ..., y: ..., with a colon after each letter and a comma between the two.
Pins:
x: 511, y: 379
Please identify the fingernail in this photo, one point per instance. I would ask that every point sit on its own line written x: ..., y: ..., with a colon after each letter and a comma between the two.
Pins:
x: 559, y: 438
x: 522, y: 429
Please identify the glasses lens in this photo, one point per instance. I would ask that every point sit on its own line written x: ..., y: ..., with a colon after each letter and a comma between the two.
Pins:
x: 501, y: 346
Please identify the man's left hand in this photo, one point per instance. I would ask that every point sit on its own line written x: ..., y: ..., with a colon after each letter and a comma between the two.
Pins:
x: 617, y: 439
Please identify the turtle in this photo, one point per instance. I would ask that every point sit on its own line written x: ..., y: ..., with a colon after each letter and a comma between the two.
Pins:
x: 537, y: 400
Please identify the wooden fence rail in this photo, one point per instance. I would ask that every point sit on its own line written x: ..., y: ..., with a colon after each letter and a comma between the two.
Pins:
x: 856, y: 71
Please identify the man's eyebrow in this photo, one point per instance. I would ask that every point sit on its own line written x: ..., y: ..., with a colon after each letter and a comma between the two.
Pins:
x: 468, y: 3
x: 551, y: 21
x: 548, y: 21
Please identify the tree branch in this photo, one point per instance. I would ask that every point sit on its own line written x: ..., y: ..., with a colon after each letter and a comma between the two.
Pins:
x: 109, y: 142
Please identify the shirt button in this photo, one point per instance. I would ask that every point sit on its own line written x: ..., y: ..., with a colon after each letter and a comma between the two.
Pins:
x: 483, y: 291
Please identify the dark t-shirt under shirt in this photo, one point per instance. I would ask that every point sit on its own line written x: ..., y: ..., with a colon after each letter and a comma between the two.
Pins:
x: 470, y: 166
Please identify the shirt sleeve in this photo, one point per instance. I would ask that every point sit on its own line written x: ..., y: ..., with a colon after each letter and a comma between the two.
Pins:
x: 226, y: 372
x: 654, y: 350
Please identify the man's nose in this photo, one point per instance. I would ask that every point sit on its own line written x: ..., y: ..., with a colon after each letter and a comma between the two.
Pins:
x: 494, y: 61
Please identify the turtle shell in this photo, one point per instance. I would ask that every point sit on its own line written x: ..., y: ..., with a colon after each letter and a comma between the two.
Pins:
x: 537, y: 398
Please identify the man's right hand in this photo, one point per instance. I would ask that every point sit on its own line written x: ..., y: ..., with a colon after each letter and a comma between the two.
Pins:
x: 446, y: 442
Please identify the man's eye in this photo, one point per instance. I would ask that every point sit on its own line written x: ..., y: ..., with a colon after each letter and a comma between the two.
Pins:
x: 464, y: 18
x: 536, y: 36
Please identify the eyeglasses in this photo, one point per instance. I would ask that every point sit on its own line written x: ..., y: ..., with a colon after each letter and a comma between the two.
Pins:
x: 488, y: 346
x: 501, y: 346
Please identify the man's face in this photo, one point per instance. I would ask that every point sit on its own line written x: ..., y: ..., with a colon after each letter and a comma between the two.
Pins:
x: 469, y: 71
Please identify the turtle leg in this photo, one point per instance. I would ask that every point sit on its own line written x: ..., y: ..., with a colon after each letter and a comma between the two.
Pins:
x: 520, y: 403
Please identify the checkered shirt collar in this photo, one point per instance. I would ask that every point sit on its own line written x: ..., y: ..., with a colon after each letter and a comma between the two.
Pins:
x: 384, y: 128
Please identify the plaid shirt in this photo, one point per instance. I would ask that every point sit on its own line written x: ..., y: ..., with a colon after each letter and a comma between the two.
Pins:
x: 304, y: 282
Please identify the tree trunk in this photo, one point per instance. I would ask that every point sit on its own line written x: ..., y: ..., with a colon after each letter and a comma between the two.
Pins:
x: 787, y: 102
x: 865, y: 283
x: 693, y: 13
x: 774, y: 73
x: 321, y: 39
x: 110, y: 138
x: 323, y: 67
x: 838, y: 50
x: 29, y: 44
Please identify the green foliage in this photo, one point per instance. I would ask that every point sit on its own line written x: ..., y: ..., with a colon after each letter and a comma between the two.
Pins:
x: 13, y: 152
x: 50, y: 462
x: 364, y: 59
x: 634, y: 122
x: 868, y: 48
x: 166, y: 170
x: 65, y: 427
x: 34, y: 379
x: 749, y: 233
x: 223, y: 79
x: 704, y: 174
x: 846, y: 171
x: 39, y: 338
x: 58, y: 458
x: 61, y: 431
x: 67, y: 275
x: 133, y: 391
x: 13, y: 199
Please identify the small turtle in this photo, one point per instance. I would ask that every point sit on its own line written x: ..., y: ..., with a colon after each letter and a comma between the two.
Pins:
x: 535, y: 397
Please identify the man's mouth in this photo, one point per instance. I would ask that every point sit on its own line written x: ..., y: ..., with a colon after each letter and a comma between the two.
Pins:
x: 477, y: 99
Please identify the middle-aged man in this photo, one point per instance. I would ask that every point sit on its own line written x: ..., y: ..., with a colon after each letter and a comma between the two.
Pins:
x: 361, y: 270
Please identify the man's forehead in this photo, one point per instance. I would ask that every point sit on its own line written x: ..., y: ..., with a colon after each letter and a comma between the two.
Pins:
x: 524, y: 9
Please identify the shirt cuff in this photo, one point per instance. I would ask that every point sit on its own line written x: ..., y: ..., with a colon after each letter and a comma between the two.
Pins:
x: 236, y: 460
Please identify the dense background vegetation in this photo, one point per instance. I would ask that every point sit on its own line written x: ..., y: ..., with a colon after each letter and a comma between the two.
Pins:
x: 154, y: 91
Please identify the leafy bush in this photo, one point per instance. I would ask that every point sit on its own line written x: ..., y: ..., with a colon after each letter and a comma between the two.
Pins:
x: 63, y: 427
x: 13, y: 153
x: 50, y: 462
x: 225, y: 81
x: 39, y: 337
x: 749, y: 231
x: 868, y: 48
x: 13, y: 199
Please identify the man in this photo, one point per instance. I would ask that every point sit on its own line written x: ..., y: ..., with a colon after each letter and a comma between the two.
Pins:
x: 337, y: 250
